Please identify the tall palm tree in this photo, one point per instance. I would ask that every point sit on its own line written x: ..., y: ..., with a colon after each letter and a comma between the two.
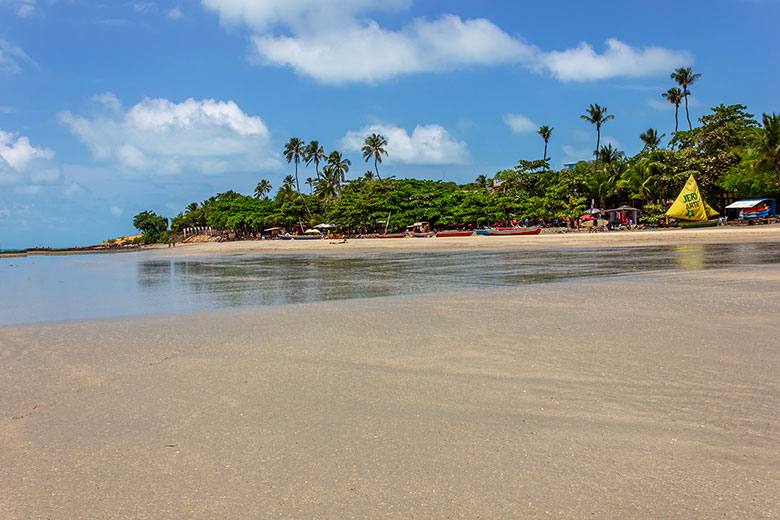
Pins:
x: 674, y: 96
x: 545, y: 131
x: 597, y: 115
x: 482, y: 181
x: 340, y: 166
x: 651, y: 138
x: 262, y: 188
x: 294, y: 152
x: 310, y: 182
x: 373, y: 146
x: 685, y: 77
x: 764, y: 143
x: 314, y: 153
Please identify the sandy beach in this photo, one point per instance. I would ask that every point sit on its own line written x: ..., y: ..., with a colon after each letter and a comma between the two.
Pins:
x: 521, y: 403
x: 551, y: 240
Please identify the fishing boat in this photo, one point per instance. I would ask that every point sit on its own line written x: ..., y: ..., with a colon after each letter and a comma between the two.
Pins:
x: 390, y: 235
x: 455, y: 233
x: 497, y: 232
x: 420, y: 230
x: 300, y: 237
x: 691, y: 209
x: 417, y: 234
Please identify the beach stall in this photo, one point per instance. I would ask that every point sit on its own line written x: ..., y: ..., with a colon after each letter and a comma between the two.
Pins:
x: 623, y: 214
x: 752, y: 209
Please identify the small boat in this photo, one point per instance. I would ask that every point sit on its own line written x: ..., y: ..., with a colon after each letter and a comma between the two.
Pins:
x: 390, y: 235
x: 690, y: 206
x: 498, y: 232
x: 416, y: 234
x: 455, y: 233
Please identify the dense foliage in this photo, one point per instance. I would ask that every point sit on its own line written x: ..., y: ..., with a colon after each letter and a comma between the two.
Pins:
x: 729, y: 153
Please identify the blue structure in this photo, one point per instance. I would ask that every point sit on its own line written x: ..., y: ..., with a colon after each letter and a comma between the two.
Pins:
x: 755, y: 208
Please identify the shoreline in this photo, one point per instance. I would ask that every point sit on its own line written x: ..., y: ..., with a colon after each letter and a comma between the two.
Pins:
x: 408, y: 406
x: 638, y: 238
x: 549, y: 239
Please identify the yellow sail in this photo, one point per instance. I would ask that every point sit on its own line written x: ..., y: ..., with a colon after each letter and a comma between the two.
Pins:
x: 689, y: 205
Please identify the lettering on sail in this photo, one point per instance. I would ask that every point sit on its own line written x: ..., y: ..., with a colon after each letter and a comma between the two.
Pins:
x: 691, y: 204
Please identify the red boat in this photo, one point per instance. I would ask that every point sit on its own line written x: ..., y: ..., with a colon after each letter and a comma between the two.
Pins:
x: 390, y: 235
x: 493, y: 232
x: 455, y: 233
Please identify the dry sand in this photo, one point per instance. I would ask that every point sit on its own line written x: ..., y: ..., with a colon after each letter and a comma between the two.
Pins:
x: 518, y: 403
x: 728, y: 234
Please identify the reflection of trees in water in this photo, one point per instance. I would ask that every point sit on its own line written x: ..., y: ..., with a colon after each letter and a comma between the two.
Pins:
x: 238, y: 281
x: 153, y: 274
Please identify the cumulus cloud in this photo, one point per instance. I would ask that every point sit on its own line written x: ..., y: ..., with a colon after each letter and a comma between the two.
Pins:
x: 519, y: 123
x: 162, y: 137
x: 23, y: 165
x: 428, y: 144
x: 333, y: 42
x: 12, y: 58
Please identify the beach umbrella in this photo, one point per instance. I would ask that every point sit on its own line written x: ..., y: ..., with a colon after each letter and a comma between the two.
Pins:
x: 325, y: 226
x: 313, y: 232
x: 273, y: 229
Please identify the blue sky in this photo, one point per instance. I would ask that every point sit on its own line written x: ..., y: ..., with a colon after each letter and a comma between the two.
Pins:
x: 110, y: 108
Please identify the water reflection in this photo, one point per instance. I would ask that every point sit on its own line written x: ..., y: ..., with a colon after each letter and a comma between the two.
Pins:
x: 87, y: 287
x: 244, y: 280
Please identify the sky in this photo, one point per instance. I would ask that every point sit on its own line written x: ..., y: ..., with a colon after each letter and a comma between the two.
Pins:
x: 111, y: 108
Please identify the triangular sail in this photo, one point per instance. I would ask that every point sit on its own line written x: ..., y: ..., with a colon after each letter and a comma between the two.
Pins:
x: 689, y: 205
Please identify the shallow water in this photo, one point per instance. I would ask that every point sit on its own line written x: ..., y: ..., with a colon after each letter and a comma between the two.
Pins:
x: 47, y: 288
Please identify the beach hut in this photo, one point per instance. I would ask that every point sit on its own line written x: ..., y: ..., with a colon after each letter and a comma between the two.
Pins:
x: 753, y: 209
x: 626, y: 212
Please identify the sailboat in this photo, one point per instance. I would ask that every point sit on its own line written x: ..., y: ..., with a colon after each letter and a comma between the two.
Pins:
x: 691, y: 207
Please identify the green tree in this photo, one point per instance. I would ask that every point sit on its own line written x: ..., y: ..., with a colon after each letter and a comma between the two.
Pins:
x: 340, y: 166
x: 764, y: 145
x: 597, y: 115
x: 295, y: 152
x: 651, y: 138
x: 374, y: 146
x: 314, y: 153
x: 608, y: 154
x: 545, y: 131
x: 674, y: 96
x: 152, y: 225
x: 685, y: 77
x: 262, y: 188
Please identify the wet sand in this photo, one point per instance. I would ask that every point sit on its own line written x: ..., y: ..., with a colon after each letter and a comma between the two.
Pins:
x: 523, y: 403
x: 548, y: 239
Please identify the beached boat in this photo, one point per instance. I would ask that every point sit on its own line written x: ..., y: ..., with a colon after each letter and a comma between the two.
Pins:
x: 455, y: 233
x: 691, y: 208
x: 390, y: 235
x: 416, y: 234
x: 498, y: 232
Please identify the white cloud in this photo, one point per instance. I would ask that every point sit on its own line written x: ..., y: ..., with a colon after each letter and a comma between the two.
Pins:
x: 23, y: 165
x: 141, y: 7
x: 175, y: 14
x: 519, y: 123
x: 11, y: 58
x: 428, y: 144
x: 332, y: 42
x: 116, y: 211
x: 619, y: 59
x: 659, y: 104
x: 22, y: 8
x: 159, y: 136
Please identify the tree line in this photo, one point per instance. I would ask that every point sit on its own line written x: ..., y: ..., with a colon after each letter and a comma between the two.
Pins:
x: 729, y: 153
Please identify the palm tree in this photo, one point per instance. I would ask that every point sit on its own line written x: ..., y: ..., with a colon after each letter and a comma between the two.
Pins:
x: 314, y: 153
x: 685, y: 77
x: 310, y: 182
x: 764, y: 143
x: 674, y: 95
x: 481, y: 181
x: 340, y: 166
x: 651, y: 138
x: 373, y: 146
x: 597, y: 115
x: 545, y: 131
x: 262, y: 188
x: 368, y: 176
x: 295, y: 151
x: 609, y: 155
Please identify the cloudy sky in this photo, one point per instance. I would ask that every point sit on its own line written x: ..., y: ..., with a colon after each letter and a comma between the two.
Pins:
x: 110, y: 108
